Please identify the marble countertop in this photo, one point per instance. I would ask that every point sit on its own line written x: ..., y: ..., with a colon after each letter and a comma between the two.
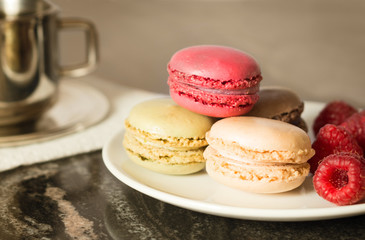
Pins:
x: 78, y: 198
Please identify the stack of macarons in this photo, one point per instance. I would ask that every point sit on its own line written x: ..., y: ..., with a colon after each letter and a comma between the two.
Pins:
x: 213, y: 89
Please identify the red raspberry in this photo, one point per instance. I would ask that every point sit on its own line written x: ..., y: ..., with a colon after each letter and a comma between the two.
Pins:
x: 332, y: 139
x: 340, y: 178
x: 334, y: 113
x: 356, y: 126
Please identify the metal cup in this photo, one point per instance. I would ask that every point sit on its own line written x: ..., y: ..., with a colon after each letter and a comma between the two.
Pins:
x: 29, y: 58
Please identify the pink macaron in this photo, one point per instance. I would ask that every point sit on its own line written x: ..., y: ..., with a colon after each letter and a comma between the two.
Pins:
x: 216, y: 81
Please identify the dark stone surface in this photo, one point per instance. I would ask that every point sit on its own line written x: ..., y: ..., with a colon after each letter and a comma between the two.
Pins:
x: 77, y: 198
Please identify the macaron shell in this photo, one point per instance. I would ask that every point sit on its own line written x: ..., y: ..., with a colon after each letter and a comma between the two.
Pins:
x: 261, y: 134
x: 251, y: 177
x: 171, y: 169
x: 278, y: 103
x: 300, y: 123
x: 164, y: 117
x: 233, y: 180
x: 215, y: 62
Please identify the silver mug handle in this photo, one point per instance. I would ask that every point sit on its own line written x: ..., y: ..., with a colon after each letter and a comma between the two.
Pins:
x: 92, y: 51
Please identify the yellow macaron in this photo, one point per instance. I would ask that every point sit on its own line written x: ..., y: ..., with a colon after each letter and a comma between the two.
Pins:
x: 164, y: 137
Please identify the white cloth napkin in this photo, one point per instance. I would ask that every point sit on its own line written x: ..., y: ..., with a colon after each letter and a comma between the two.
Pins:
x: 122, y: 99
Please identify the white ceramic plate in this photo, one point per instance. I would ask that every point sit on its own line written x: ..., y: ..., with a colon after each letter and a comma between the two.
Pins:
x: 198, y: 192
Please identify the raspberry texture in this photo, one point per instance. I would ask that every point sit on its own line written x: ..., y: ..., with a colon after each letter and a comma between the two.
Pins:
x: 356, y: 126
x: 332, y: 139
x: 340, y: 178
x: 335, y: 113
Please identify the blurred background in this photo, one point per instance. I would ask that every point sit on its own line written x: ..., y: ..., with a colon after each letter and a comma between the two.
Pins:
x: 315, y: 47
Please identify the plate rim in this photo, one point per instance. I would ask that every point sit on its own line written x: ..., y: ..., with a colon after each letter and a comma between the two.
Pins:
x: 261, y: 214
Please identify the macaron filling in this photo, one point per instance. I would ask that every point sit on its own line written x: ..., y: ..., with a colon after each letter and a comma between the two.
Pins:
x: 161, y: 154
x: 253, y: 173
x: 246, y: 91
x: 195, y: 80
x: 232, y: 150
x: 228, y: 98
x: 237, y: 102
x: 166, y: 141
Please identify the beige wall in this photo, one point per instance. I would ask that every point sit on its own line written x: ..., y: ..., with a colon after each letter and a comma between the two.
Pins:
x: 315, y: 47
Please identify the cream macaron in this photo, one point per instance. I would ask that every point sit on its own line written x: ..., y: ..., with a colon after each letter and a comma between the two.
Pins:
x: 164, y: 137
x: 257, y: 154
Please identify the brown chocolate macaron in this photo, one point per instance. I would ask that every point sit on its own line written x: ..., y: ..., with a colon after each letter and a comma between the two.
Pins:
x: 281, y: 104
